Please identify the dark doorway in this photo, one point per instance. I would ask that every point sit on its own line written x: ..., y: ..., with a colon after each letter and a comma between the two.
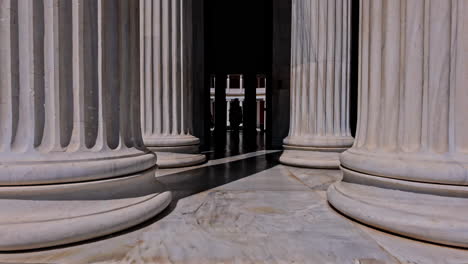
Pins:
x: 231, y: 119
x: 354, y: 66
x: 238, y: 41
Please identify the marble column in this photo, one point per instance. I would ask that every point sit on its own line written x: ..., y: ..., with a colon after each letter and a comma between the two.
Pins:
x: 166, y: 87
x: 407, y: 172
x: 319, y: 124
x: 72, y: 161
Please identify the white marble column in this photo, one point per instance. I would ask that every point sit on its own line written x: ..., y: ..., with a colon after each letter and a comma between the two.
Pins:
x: 72, y: 162
x: 166, y: 87
x: 408, y: 169
x: 319, y: 127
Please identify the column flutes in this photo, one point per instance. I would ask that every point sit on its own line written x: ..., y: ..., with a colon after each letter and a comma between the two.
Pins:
x: 319, y: 126
x: 166, y: 87
x: 69, y: 122
x: 408, y: 169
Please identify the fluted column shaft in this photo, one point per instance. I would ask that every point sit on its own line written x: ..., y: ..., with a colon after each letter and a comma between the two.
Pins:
x: 320, y: 76
x: 68, y: 91
x: 166, y: 87
x: 72, y: 161
x: 412, y: 99
x: 166, y: 61
x: 408, y: 169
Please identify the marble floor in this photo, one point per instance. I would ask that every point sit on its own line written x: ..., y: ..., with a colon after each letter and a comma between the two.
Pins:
x: 247, y: 209
x: 232, y: 144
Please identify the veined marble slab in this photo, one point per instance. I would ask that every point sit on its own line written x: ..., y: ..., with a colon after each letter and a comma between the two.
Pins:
x: 279, y: 215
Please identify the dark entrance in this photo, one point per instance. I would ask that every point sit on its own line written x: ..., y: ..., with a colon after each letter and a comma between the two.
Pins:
x: 238, y: 39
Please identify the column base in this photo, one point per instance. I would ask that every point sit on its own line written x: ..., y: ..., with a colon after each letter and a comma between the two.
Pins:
x: 320, y: 152
x: 425, y: 211
x: 190, y: 149
x: 49, y: 215
x: 175, y: 151
x: 310, y: 158
x: 61, y: 167
x: 177, y: 160
x: 172, y: 143
x: 438, y: 168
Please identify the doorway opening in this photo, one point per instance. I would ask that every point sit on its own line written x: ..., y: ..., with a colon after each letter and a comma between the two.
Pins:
x: 238, y: 56
x: 236, y: 111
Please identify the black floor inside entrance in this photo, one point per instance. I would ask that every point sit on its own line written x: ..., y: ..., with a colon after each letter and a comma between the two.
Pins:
x: 233, y: 144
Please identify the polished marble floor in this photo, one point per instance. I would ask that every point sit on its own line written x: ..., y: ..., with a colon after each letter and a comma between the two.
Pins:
x: 247, y: 209
x: 233, y: 144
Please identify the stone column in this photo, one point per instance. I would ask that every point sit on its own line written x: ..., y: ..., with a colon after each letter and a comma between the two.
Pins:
x: 319, y: 125
x: 408, y: 169
x: 72, y: 162
x: 166, y: 87
x: 228, y: 108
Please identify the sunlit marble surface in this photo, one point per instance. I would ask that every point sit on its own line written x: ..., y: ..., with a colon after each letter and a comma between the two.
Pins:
x: 278, y: 215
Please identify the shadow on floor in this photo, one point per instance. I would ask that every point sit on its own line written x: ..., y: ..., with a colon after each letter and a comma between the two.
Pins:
x: 187, y: 183
x: 194, y: 181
